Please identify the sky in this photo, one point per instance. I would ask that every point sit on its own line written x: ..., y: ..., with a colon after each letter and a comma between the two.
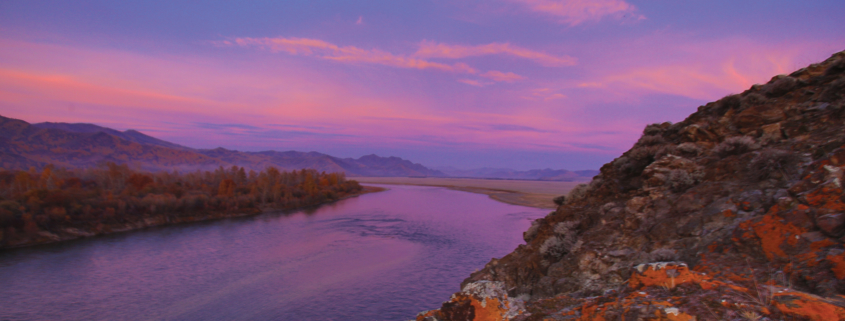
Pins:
x: 520, y: 84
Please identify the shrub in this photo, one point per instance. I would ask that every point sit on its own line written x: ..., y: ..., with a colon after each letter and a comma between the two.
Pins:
x: 566, y: 228
x: 577, y: 193
x: 735, y: 146
x: 553, y: 247
x: 689, y: 149
x: 666, y: 150
x: 771, y: 163
x: 619, y: 161
x: 531, y: 233
x: 680, y: 180
x: 752, y: 99
x: 653, y: 129
x: 836, y: 67
x: 730, y: 102
x: 650, y: 140
x: 636, y: 160
x: 560, y: 200
x: 834, y: 91
x: 564, y: 241
x: 781, y: 86
x: 642, y: 153
x: 663, y: 255
x: 595, y: 184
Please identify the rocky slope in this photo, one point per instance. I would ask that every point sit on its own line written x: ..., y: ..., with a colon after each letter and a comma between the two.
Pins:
x: 736, y: 213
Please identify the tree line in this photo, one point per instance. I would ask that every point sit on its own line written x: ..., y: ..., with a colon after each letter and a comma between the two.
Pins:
x: 56, y: 203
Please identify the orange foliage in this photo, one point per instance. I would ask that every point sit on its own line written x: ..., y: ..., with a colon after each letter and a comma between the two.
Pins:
x: 114, y: 196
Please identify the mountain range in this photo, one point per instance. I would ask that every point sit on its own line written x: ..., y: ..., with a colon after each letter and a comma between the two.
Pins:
x: 24, y: 145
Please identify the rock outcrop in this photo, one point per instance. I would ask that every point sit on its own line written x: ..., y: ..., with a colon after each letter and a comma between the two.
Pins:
x: 736, y: 213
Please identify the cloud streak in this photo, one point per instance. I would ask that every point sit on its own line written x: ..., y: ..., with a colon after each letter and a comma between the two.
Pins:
x: 575, y: 12
x: 352, y: 54
x: 502, y: 76
x: 330, y: 51
x: 430, y: 49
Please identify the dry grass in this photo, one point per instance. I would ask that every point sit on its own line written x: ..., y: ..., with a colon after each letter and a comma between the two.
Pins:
x: 538, y: 194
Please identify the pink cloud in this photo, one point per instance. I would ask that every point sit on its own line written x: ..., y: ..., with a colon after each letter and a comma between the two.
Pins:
x: 502, y: 76
x: 471, y: 82
x: 326, y: 50
x: 704, y: 70
x: 574, y: 12
x: 543, y: 94
x: 429, y: 49
x: 165, y: 96
x: 70, y: 88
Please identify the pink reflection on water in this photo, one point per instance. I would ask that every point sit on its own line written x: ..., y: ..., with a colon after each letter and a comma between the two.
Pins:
x: 382, y: 256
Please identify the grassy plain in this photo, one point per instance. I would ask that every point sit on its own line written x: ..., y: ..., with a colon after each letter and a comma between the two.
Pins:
x: 518, y: 192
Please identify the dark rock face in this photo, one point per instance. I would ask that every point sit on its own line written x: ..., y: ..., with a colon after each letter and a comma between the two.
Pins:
x: 745, y: 197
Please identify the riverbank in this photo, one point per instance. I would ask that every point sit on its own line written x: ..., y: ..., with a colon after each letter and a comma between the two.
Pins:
x: 70, y: 233
x: 537, y: 194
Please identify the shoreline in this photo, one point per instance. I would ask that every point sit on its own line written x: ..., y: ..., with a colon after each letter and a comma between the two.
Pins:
x: 536, y: 194
x: 71, y: 234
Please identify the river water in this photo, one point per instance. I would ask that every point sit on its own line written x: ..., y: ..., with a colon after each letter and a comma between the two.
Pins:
x: 380, y: 256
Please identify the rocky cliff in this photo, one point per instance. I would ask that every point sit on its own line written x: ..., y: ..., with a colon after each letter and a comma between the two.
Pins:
x: 736, y: 213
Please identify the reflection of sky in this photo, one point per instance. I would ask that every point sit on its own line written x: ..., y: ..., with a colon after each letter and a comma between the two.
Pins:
x: 379, y: 256
x: 505, y: 83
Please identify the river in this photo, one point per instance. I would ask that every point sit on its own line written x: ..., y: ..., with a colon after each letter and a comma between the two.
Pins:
x: 380, y: 256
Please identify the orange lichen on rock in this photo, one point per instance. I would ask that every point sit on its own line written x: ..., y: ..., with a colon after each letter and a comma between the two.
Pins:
x: 591, y: 312
x: 425, y: 314
x: 838, y: 265
x: 826, y: 197
x: 773, y: 232
x: 667, y: 274
x: 672, y: 274
x: 488, y: 309
x: 679, y: 316
x: 478, y: 301
x: 811, y: 257
x: 808, y: 306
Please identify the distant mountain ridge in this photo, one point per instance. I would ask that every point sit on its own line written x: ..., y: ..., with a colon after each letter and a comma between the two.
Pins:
x: 24, y: 145
x: 80, y: 145
x: 130, y: 135
x: 547, y: 174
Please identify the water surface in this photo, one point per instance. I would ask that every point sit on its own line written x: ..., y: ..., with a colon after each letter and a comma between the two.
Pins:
x: 381, y: 256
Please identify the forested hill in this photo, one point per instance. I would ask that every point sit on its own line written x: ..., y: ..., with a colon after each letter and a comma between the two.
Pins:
x: 24, y: 145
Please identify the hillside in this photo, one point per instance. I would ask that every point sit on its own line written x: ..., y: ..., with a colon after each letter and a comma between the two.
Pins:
x: 24, y: 145
x: 129, y: 135
x: 736, y: 213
